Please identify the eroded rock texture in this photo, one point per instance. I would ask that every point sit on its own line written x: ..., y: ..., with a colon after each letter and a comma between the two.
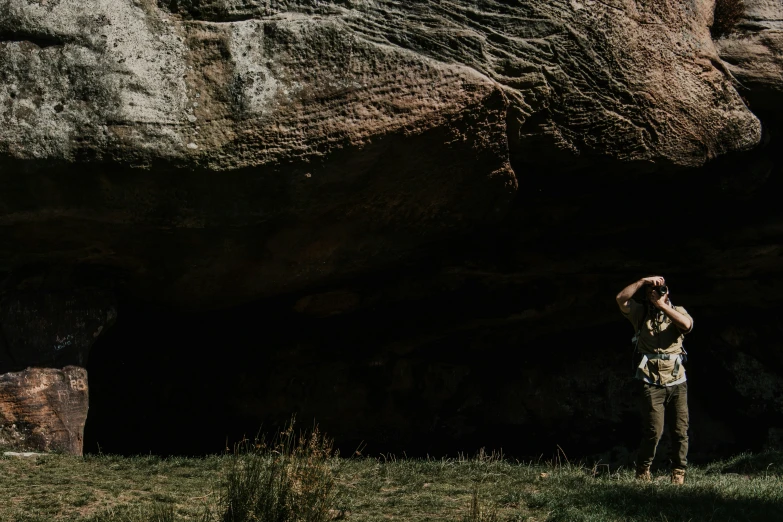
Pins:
x: 754, y: 53
x: 262, y: 147
x: 487, y: 173
x: 44, y: 409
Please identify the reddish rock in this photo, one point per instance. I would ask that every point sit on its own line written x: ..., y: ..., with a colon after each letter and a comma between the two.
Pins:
x: 44, y: 409
x: 49, y: 332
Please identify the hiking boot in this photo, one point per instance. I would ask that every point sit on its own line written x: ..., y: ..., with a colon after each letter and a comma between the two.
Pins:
x: 643, y: 474
x: 678, y: 477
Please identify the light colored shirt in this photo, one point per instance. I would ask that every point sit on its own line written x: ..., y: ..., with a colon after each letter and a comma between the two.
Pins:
x: 659, y: 343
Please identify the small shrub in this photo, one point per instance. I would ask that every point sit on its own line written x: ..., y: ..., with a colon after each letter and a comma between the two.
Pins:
x: 477, y: 513
x: 289, y: 480
x: 728, y: 13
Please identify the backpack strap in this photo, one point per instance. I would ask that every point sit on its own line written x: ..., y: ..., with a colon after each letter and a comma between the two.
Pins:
x: 635, y: 341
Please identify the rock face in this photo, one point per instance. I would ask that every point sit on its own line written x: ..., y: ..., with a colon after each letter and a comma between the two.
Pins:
x: 754, y: 53
x: 44, y: 409
x: 264, y: 147
x: 44, y: 328
x: 52, y: 329
x: 491, y: 169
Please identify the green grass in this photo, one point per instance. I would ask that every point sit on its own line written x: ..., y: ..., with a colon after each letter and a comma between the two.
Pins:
x: 60, y: 487
x: 483, y: 489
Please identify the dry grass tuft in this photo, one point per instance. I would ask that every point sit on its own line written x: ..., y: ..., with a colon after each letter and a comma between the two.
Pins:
x: 289, y: 480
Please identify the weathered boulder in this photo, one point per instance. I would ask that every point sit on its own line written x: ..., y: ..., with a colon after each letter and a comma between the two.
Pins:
x: 48, y: 329
x: 44, y: 409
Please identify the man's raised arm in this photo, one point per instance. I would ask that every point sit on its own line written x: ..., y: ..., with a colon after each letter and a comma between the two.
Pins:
x: 626, y: 293
x: 682, y: 321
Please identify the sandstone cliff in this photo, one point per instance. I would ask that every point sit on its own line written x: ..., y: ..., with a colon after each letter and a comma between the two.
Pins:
x: 261, y: 147
x: 339, y: 157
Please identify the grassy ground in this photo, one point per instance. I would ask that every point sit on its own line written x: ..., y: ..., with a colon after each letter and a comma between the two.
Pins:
x: 135, y: 489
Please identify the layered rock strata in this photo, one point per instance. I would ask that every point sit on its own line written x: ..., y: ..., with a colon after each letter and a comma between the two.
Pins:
x: 44, y: 409
x: 218, y: 152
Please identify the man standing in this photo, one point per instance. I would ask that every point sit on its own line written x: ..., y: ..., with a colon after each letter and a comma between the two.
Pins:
x: 660, y: 328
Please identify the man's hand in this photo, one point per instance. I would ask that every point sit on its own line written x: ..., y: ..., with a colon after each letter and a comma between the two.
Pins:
x: 682, y: 321
x: 627, y: 293
x: 658, y: 300
x: 653, y: 280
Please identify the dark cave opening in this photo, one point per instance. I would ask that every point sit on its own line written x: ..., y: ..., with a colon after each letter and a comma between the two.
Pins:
x: 506, y: 339
x: 402, y: 379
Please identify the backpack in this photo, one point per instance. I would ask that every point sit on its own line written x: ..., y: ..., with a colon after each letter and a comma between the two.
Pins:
x: 636, y: 355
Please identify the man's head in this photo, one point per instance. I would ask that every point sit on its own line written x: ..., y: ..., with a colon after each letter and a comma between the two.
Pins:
x: 662, y: 290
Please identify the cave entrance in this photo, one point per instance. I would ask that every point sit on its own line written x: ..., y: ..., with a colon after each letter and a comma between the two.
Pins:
x: 166, y: 382
x: 172, y: 383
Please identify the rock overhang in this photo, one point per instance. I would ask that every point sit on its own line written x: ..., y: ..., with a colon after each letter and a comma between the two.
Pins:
x: 277, y: 125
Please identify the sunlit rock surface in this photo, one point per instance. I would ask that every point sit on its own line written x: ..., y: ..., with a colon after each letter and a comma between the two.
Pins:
x: 44, y: 409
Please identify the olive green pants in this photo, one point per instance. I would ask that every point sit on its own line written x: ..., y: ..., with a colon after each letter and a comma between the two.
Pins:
x: 667, y: 404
